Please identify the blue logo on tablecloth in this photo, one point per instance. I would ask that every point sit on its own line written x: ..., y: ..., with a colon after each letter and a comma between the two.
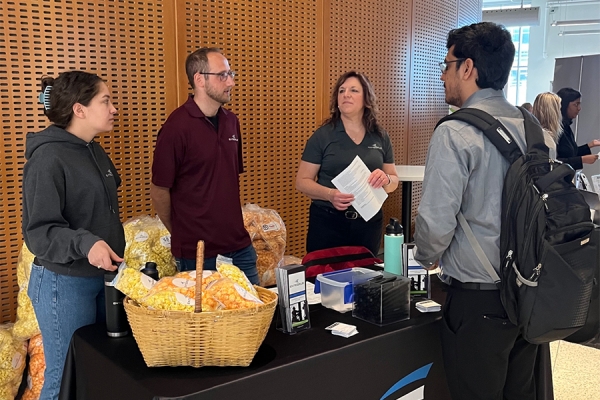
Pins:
x: 417, y: 394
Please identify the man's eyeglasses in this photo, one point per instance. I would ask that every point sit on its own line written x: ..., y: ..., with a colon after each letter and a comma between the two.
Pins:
x: 444, y: 64
x: 222, y: 75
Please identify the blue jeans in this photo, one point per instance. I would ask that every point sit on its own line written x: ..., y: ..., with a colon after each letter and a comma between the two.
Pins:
x: 62, y: 304
x: 244, y: 259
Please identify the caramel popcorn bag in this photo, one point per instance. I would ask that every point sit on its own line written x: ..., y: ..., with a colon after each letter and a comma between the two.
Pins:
x: 37, y: 366
x: 268, y: 234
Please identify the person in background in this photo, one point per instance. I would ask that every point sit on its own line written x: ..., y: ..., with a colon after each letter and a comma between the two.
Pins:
x: 546, y: 108
x: 485, y: 356
x: 351, y: 130
x: 567, y: 149
x: 528, y: 107
x: 195, y: 172
x: 70, y: 214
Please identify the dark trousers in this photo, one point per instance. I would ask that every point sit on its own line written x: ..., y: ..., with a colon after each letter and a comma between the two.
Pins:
x: 328, y: 227
x: 485, y: 357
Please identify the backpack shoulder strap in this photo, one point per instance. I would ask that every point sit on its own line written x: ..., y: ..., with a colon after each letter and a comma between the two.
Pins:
x: 491, y: 128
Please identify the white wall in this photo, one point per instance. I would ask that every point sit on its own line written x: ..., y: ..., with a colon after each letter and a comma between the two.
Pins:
x: 545, y: 37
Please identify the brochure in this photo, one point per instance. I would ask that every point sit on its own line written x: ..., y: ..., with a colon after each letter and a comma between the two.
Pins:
x: 293, y: 302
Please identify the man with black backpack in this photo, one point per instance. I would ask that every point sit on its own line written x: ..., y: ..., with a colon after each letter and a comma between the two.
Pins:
x: 485, y: 355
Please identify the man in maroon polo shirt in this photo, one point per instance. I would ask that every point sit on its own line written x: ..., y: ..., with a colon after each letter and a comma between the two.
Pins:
x: 195, y: 173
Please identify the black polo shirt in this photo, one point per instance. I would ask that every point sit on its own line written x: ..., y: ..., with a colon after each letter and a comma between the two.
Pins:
x: 332, y: 149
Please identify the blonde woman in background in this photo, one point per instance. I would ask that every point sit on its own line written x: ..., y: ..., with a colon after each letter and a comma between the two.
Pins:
x: 546, y: 108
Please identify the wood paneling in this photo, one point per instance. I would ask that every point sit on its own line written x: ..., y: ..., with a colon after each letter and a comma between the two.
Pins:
x: 128, y: 44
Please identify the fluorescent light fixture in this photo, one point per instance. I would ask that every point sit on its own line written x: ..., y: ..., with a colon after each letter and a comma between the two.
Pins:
x: 528, y: 16
x: 576, y: 22
x: 583, y: 32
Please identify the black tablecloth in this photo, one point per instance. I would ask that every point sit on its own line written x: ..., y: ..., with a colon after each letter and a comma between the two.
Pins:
x: 398, y: 359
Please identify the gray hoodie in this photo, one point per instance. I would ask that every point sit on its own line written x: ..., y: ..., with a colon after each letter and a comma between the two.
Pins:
x: 69, y: 201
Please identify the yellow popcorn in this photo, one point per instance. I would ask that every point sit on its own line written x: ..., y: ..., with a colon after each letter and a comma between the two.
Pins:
x: 147, y: 239
x: 13, y: 353
x: 168, y: 300
x: 26, y: 325
x: 234, y: 273
x: 133, y: 283
x: 230, y: 295
x: 24, y: 266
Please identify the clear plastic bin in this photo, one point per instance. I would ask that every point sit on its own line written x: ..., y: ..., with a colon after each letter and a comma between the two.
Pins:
x: 336, y: 287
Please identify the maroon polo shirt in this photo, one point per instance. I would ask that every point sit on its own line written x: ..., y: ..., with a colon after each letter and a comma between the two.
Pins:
x: 201, y: 167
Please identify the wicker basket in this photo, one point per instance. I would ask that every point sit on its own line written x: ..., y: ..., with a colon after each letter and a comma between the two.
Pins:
x: 219, y: 338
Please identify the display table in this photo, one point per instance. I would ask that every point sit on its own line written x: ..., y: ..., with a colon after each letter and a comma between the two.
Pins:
x: 407, y: 174
x: 383, y: 363
x: 312, y: 364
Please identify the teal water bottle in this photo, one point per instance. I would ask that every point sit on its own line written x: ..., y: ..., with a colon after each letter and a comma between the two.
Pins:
x: 392, y: 247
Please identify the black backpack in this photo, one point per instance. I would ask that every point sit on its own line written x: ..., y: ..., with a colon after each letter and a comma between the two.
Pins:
x: 547, y: 251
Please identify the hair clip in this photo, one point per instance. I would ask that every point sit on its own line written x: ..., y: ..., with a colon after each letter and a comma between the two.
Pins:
x: 44, y: 97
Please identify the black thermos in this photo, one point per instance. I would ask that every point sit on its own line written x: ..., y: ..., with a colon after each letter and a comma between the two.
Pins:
x: 150, y: 270
x: 116, y: 319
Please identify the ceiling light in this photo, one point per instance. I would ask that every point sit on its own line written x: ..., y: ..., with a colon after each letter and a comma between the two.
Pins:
x: 576, y: 22
x: 583, y: 32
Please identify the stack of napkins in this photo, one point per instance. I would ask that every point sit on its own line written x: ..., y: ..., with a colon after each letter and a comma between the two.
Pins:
x: 341, y: 329
x: 428, y: 306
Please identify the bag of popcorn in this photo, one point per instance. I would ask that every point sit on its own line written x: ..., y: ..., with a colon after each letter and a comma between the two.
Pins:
x: 268, y: 234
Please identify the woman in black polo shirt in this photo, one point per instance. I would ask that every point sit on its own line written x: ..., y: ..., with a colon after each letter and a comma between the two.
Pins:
x: 351, y: 130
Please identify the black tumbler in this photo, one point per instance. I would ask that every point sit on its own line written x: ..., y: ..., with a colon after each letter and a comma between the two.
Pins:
x: 116, y: 319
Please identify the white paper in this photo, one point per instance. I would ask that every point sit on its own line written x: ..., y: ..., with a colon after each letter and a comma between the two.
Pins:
x: 367, y: 200
x: 311, y: 296
x: 341, y: 329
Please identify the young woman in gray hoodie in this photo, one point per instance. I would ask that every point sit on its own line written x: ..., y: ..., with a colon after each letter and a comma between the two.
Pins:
x: 70, y: 214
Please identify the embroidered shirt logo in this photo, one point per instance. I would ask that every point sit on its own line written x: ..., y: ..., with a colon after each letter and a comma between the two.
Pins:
x: 233, y: 138
x: 109, y: 173
x: 375, y: 146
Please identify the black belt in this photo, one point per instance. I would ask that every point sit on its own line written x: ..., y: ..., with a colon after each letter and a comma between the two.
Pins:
x: 349, y: 214
x: 473, y: 285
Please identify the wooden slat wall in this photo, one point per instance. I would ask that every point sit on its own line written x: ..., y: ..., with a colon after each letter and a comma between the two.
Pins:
x: 373, y: 37
x: 273, y: 48
x: 127, y: 43
x: 288, y: 55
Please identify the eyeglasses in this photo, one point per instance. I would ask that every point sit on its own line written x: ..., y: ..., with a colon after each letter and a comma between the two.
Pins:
x: 222, y: 75
x: 444, y: 64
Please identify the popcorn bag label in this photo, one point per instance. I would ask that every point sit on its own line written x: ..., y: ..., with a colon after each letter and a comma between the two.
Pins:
x: 271, y: 226
x: 245, y: 294
x: 183, y: 283
x: 17, y: 361
x: 165, y: 241
x: 147, y: 281
x: 186, y: 301
x: 141, y: 236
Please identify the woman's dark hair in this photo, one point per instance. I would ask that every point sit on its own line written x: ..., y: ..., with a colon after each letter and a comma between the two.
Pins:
x: 491, y: 48
x: 69, y: 88
x: 567, y: 95
x: 369, y: 118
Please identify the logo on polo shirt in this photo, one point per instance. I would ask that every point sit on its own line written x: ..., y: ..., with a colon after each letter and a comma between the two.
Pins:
x: 375, y: 146
x: 109, y: 173
x: 233, y: 138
